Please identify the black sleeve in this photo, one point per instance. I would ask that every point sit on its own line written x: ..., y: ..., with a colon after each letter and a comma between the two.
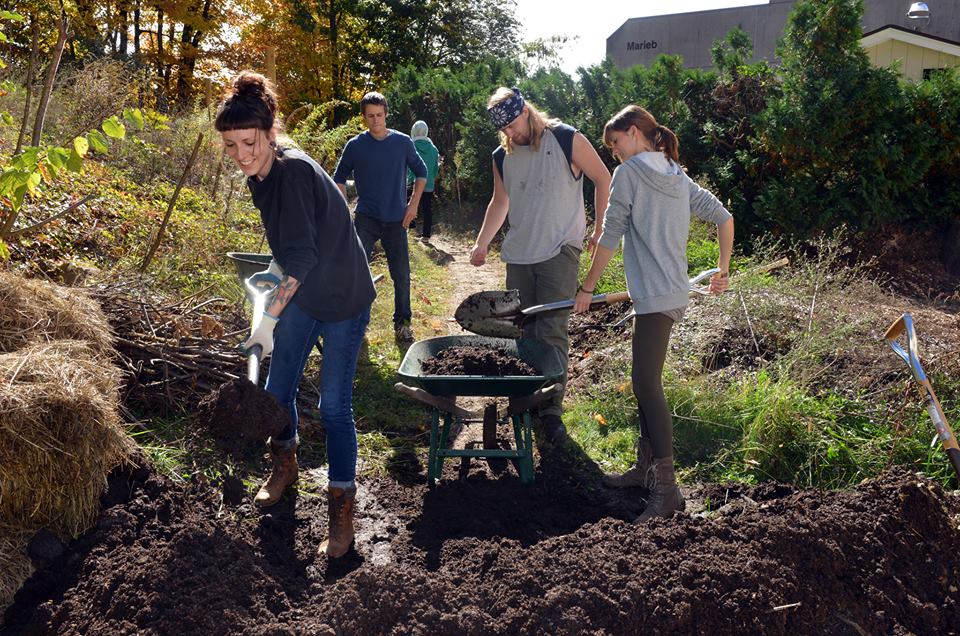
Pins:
x: 301, y: 209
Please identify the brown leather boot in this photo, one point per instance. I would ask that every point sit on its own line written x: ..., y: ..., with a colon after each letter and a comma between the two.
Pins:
x: 640, y: 475
x: 285, y: 472
x: 340, y: 509
x: 665, y: 498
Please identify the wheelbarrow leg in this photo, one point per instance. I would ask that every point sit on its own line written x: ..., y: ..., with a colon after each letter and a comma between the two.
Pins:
x: 433, y: 460
x: 526, y: 458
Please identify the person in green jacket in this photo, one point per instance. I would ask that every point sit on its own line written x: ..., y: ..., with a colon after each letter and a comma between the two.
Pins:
x: 431, y: 156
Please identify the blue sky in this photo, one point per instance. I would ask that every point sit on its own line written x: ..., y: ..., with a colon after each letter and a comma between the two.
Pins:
x: 594, y: 20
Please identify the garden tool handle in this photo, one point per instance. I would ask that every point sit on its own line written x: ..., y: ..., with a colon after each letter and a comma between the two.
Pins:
x: 596, y: 301
x: 910, y: 355
x: 253, y: 363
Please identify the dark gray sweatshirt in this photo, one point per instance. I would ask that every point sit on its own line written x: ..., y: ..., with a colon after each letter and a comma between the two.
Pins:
x: 312, y: 237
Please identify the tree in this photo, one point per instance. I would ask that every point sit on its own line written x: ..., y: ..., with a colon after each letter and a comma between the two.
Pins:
x: 834, y: 136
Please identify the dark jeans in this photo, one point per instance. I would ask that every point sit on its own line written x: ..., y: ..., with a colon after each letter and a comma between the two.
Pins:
x: 553, y: 279
x: 393, y: 239
x: 651, y: 337
x: 426, y: 209
x: 293, y: 339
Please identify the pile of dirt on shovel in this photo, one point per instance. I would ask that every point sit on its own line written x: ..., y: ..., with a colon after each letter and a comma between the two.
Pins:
x: 241, y: 416
x: 489, y: 556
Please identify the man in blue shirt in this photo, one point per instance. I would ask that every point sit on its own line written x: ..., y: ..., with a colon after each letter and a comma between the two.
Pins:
x: 378, y: 160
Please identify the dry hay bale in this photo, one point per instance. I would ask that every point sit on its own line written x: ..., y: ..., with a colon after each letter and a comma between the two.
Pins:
x: 60, y: 435
x: 15, y: 565
x: 34, y: 311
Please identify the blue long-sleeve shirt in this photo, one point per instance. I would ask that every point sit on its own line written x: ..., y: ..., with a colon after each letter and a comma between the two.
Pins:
x: 379, y: 169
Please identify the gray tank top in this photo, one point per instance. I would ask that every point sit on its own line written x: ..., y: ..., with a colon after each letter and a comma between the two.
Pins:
x: 546, y: 203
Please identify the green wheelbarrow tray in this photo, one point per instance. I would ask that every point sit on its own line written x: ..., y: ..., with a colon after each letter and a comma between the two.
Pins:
x: 536, y: 353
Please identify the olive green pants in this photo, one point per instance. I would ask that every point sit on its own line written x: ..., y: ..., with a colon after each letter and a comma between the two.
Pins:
x: 651, y: 336
x: 552, y: 280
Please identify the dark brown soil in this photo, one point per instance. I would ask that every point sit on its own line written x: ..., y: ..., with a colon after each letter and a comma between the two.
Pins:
x: 241, y: 415
x: 490, y: 556
x: 471, y: 360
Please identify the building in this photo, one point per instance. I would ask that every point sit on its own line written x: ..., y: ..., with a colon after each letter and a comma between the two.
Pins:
x: 918, y: 45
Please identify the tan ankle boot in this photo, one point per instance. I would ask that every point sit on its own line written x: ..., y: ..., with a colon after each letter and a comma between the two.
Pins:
x: 641, y: 475
x: 285, y: 472
x: 340, y: 503
x: 665, y: 498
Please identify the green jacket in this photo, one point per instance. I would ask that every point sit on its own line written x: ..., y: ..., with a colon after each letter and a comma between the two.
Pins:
x: 431, y: 156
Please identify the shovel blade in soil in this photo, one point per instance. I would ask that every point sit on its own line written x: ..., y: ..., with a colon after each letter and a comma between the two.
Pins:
x: 491, y: 313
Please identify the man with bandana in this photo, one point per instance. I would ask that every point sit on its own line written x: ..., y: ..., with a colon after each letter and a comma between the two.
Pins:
x: 538, y: 171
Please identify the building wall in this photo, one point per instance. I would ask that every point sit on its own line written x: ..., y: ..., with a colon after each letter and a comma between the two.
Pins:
x: 690, y: 35
x: 912, y: 59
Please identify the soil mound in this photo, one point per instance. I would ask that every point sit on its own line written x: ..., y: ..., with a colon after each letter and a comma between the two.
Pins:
x: 490, y: 556
x: 241, y: 415
x: 471, y: 360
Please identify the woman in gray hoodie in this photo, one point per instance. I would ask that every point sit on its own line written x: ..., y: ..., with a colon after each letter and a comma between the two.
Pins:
x: 651, y: 202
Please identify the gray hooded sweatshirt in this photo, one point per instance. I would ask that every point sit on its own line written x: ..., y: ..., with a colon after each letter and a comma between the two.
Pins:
x: 651, y: 202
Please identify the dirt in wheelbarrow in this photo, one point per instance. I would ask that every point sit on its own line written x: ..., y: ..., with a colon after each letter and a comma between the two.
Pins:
x: 474, y: 360
x: 484, y: 555
x: 240, y: 416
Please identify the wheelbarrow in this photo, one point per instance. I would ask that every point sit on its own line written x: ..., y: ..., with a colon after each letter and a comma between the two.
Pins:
x: 440, y: 392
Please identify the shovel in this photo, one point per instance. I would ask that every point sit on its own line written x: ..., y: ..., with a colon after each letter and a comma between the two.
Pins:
x: 912, y: 357
x: 498, y: 313
x: 259, y: 287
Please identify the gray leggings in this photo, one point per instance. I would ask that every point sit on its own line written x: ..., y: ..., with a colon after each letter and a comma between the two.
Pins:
x: 651, y: 335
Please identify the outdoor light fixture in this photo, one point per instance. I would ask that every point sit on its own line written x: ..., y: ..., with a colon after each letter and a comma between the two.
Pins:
x: 918, y: 10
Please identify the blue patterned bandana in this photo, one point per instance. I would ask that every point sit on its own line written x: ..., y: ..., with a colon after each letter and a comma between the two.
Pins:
x: 506, y: 111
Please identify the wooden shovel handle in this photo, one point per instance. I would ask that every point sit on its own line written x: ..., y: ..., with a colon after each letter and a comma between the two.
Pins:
x: 893, y: 331
x: 610, y: 299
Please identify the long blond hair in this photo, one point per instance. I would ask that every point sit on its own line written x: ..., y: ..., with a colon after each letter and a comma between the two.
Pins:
x: 538, y: 120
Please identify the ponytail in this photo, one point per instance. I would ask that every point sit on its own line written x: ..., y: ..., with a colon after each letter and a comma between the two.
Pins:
x: 660, y: 137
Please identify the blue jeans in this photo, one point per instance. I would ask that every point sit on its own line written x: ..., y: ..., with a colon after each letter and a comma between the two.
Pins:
x: 293, y: 339
x: 393, y: 239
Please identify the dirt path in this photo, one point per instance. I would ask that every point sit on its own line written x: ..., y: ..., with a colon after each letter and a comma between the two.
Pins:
x: 468, y: 279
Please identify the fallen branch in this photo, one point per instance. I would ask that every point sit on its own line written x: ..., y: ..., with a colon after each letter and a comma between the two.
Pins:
x: 70, y: 208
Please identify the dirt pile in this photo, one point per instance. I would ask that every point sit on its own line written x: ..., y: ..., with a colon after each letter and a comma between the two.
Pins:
x: 241, y: 415
x: 477, y: 555
x: 471, y: 360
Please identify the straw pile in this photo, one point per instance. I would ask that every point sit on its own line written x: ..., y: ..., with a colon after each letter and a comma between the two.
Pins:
x: 33, y: 311
x: 15, y: 566
x: 60, y: 432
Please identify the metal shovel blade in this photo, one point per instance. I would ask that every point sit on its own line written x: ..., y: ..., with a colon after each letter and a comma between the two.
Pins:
x: 491, y: 313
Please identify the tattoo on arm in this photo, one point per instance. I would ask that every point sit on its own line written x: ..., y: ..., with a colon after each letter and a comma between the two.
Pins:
x: 286, y: 290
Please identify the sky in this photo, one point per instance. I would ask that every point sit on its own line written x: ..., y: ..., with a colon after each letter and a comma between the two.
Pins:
x: 595, y: 20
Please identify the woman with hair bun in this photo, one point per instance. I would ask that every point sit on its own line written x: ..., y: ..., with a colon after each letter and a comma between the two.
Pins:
x: 651, y: 202
x: 325, y: 292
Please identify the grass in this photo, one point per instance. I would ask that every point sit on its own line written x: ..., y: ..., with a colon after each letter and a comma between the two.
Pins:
x: 791, y: 414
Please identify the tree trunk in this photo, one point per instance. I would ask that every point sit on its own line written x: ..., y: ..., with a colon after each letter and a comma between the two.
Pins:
x: 48, y: 85
x: 28, y: 84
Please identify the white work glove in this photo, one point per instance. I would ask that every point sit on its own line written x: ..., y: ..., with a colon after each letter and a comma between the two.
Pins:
x: 261, y: 334
x: 268, y: 277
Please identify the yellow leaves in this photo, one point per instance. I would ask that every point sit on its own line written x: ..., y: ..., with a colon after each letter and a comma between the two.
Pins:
x: 600, y: 419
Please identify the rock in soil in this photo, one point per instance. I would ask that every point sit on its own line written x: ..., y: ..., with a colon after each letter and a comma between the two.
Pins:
x: 491, y: 556
x: 241, y: 415
x: 472, y: 360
